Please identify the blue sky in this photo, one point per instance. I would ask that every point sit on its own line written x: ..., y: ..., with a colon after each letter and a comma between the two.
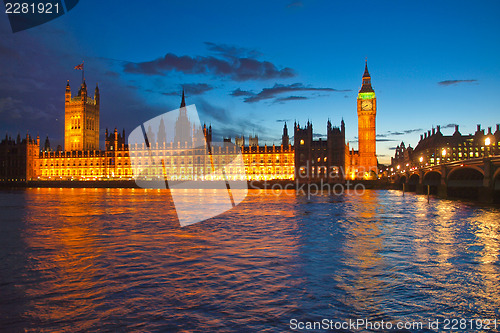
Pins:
x: 248, y: 66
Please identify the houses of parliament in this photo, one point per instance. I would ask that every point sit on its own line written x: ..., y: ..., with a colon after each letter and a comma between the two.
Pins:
x: 307, y: 160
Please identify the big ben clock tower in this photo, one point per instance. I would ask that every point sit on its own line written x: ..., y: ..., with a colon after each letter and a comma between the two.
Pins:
x: 367, y: 111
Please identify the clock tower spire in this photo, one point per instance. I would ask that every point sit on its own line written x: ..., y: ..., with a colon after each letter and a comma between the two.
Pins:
x: 367, y: 112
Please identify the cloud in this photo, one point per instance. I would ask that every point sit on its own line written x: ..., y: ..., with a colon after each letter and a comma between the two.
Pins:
x: 212, y: 112
x: 451, y: 82
x: 385, y: 140
x: 383, y: 136
x: 238, y: 92
x: 289, y: 98
x: 270, y: 93
x: 282, y: 120
x: 397, y: 133
x: 229, y: 124
x: 231, y: 51
x: 319, y: 135
x: 191, y: 89
x: 238, y: 64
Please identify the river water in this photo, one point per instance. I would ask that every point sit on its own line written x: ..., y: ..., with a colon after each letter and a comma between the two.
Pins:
x: 84, y: 260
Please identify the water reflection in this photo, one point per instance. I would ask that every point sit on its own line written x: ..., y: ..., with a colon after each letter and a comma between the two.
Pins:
x: 361, y: 279
x: 116, y: 259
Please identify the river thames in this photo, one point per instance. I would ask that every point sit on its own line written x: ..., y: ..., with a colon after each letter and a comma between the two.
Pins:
x: 83, y: 260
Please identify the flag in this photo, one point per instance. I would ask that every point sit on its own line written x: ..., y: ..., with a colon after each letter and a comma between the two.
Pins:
x: 80, y: 67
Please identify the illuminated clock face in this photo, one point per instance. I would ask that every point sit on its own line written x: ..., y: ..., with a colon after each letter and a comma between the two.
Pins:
x: 366, y: 105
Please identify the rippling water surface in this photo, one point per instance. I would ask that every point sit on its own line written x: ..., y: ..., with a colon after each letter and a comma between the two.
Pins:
x: 80, y: 260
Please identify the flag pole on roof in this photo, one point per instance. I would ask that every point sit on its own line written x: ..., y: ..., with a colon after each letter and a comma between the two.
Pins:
x: 81, y: 68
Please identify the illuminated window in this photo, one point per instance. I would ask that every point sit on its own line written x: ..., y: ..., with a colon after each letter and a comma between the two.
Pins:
x: 301, y: 142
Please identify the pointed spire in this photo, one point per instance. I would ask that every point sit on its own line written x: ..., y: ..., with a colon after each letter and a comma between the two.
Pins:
x: 67, y: 94
x: 367, y: 84
x: 366, y: 73
x: 285, y: 129
x: 47, y: 144
x: 183, y: 101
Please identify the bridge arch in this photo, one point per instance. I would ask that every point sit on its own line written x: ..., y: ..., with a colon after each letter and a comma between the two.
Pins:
x: 459, y: 168
x: 433, y: 180
x: 414, y: 179
x: 413, y: 182
x: 466, y: 175
x: 465, y: 182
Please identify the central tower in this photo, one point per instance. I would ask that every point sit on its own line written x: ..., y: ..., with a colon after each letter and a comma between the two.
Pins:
x: 81, y: 119
x: 367, y: 111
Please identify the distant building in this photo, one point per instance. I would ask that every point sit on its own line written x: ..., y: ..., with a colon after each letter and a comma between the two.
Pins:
x: 402, y: 154
x: 253, y: 141
x: 434, y: 148
x: 239, y: 141
x: 18, y: 158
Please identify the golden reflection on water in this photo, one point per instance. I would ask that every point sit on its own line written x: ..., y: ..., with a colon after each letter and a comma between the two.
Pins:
x: 362, y: 251
x: 118, y: 257
x: 488, y: 235
x: 86, y: 241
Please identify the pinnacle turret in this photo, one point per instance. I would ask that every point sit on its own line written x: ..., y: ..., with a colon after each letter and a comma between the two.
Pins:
x: 367, y: 84
x: 183, y: 101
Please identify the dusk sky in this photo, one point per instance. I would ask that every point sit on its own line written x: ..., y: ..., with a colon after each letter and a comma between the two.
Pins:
x: 250, y: 66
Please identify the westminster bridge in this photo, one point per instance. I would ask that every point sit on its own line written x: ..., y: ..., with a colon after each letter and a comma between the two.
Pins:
x: 476, y: 178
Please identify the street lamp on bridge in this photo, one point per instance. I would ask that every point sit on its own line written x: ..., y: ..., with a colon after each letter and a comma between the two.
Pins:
x: 487, y: 143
